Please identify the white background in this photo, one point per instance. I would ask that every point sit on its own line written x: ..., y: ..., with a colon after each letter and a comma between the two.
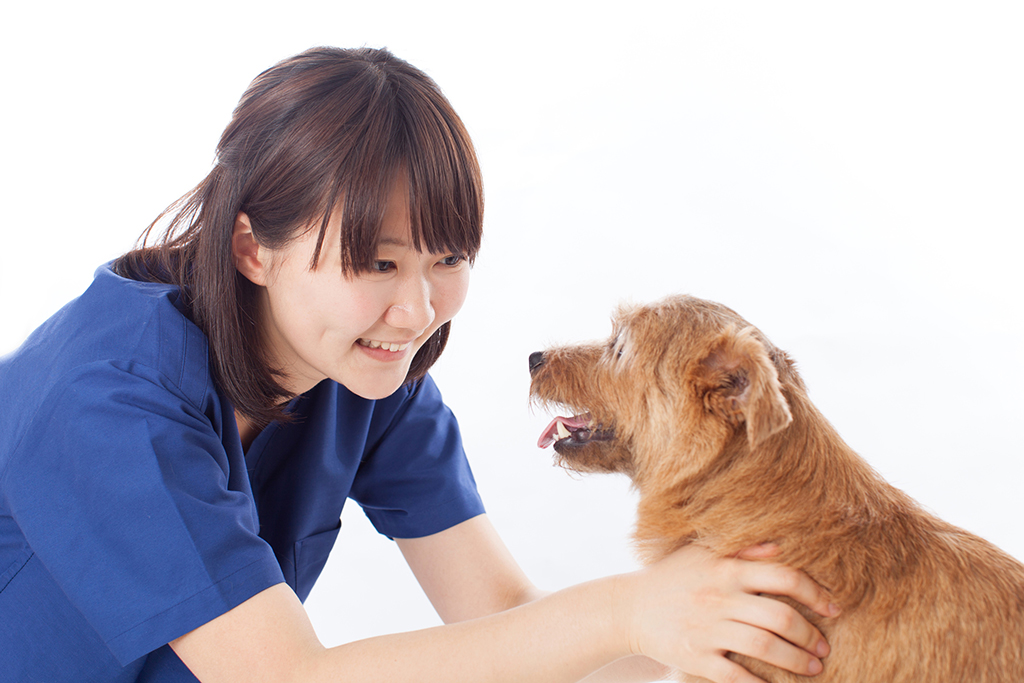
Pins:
x: 848, y: 176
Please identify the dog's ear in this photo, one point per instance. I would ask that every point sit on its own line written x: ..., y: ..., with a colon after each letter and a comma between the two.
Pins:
x: 739, y: 383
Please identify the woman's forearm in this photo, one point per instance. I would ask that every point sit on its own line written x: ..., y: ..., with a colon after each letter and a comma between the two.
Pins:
x: 633, y: 669
x: 560, y: 638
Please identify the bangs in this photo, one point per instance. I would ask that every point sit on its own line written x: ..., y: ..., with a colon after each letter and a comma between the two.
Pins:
x: 410, y: 130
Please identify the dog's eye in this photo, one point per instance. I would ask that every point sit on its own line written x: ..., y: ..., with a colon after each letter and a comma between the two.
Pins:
x: 616, y: 347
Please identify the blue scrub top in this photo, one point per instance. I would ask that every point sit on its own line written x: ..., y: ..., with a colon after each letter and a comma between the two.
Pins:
x: 129, y: 514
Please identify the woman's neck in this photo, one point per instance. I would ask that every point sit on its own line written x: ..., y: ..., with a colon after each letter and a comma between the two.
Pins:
x: 247, y: 431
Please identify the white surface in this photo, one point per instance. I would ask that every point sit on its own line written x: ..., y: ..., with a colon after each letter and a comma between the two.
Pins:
x: 849, y: 179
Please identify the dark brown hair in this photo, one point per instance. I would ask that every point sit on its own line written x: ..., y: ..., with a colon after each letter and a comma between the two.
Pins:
x: 324, y: 129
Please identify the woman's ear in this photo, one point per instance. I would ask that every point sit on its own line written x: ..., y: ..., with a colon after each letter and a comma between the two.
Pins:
x: 251, y: 260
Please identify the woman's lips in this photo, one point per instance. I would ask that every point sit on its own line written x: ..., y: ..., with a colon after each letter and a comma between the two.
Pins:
x: 393, y: 347
x: 384, y: 350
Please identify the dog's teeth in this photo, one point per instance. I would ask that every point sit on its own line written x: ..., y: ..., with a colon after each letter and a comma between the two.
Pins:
x: 562, y: 431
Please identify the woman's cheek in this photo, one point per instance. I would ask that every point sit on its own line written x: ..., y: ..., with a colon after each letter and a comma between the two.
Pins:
x: 453, y: 295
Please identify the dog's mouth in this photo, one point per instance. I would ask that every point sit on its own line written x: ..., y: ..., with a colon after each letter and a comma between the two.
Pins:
x: 573, y: 431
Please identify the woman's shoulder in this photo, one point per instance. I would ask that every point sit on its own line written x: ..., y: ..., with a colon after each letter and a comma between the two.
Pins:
x: 133, y: 327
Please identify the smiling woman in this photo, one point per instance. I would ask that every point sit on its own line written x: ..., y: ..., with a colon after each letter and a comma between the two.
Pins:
x: 361, y: 329
x: 319, y: 136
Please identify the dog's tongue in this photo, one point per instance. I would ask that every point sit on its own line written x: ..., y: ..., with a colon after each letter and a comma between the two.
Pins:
x: 551, y: 433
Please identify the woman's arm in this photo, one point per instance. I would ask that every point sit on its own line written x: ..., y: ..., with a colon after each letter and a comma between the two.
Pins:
x: 268, y: 639
x: 686, y: 611
x: 467, y: 572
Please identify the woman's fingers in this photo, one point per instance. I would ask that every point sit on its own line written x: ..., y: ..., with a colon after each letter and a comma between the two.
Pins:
x: 765, y: 646
x: 784, y: 621
x: 763, y: 551
x: 721, y: 670
x: 694, y: 608
x: 776, y: 579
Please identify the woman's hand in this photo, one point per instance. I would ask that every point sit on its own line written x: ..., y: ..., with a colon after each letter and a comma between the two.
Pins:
x: 692, y: 608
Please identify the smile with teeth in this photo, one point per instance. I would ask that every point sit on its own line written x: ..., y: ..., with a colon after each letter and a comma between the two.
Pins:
x: 393, y: 347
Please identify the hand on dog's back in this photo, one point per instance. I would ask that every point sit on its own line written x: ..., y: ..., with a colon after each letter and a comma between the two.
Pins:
x: 692, y: 608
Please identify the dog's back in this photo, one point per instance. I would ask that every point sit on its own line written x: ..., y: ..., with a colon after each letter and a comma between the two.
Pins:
x: 922, y: 599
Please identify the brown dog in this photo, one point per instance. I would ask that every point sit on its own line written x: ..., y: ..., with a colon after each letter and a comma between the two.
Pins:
x: 714, y: 426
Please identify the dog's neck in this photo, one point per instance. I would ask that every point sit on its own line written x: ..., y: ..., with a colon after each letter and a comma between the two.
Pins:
x: 797, y: 484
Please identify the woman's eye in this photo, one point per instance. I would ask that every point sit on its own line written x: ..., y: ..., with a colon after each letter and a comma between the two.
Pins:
x: 453, y: 259
x: 382, y: 266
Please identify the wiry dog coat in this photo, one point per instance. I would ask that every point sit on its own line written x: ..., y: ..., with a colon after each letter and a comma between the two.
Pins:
x: 714, y: 426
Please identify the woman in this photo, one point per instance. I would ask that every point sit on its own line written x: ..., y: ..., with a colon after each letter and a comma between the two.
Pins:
x: 186, y: 432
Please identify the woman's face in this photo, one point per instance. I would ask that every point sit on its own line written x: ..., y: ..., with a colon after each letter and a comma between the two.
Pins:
x: 361, y: 330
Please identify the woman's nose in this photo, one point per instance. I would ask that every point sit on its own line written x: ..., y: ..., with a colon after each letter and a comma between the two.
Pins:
x: 412, y: 308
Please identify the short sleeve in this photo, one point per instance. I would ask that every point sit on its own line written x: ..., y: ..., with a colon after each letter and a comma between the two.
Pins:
x: 416, y: 480
x: 128, y: 497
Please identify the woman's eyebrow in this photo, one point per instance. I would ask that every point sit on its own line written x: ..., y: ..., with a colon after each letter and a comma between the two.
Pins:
x: 392, y: 241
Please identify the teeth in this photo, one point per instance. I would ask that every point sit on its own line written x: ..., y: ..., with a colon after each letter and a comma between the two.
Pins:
x: 562, y: 432
x: 387, y: 346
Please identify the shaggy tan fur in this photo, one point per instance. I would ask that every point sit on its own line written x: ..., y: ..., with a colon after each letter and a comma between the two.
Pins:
x: 715, y: 428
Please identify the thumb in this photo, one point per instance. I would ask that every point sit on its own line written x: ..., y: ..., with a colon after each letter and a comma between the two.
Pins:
x: 762, y: 551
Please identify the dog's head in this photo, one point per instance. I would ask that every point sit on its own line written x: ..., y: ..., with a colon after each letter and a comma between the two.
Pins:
x: 677, y: 383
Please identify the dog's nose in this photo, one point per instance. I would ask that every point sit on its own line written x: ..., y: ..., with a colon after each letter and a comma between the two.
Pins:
x: 536, y: 360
